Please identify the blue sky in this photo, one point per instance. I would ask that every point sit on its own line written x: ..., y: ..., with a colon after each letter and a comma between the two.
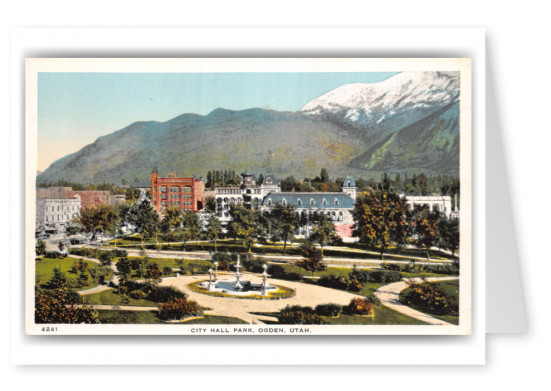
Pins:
x: 74, y: 109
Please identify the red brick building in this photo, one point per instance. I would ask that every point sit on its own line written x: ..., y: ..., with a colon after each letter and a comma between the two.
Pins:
x: 186, y: 193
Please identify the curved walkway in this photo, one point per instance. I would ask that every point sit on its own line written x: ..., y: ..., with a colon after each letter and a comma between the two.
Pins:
x: 99, y: 288
x: 306, y: 295
x: 389, y: 295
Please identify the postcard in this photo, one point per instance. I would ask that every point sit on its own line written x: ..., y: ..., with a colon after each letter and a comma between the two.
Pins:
x: 242, y: 196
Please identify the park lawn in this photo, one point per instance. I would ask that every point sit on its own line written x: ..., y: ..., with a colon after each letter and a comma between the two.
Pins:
x: 338, y: 271
x: 44, y: 270
x: 214, y: 319
x: 383, y: 316
x: 149, y: 317
x: 110, y: 297
x: 133, y: 317
x: 451, y: 288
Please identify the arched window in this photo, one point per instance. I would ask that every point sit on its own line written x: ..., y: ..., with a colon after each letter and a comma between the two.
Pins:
x: 299, y: 202
x: 269, y: 203
x: 348, y: 184
x: 163, y: 189
x: 340, y: 216
x: 324, y: 202
x: 336, y: 201
x: 312, y: 201
x: 283, y: 202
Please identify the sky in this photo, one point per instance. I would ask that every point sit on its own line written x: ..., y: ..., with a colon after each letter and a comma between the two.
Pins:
x: 74, y: 109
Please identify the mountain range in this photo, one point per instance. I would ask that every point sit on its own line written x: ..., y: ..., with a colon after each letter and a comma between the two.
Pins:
x: 408, y: 123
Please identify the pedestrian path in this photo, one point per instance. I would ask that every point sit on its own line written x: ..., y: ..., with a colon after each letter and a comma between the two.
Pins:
x: 389, y: 295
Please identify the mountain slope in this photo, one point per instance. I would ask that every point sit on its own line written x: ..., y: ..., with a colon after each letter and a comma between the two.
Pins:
x: 281, y: 143
x: 407, y: 123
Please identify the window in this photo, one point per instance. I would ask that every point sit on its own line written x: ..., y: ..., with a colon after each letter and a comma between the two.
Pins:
x: 299, y: 202
x: 312, y: 201
x: 284, y: 202
x: 269, y: 203
x: 336, y: 202
x: 324, y: 202
x: 163, y: 189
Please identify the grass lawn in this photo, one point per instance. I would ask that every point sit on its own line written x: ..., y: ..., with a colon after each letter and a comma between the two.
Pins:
x: 110, y: 297
x: 45, y: 270
x: 118, y: 317
x: 451, y: 288
x: 338, y: 271
x: 214, y: 319
x: 383, y: 316
x: 149, y: 317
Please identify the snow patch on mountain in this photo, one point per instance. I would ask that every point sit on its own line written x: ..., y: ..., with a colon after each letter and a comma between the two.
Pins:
x: 412, y: 95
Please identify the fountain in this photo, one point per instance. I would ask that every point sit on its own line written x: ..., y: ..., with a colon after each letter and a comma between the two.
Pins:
x: 237, y: 286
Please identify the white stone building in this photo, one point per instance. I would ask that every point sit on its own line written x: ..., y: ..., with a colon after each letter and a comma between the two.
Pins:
x: 248, y: 193
x: 53, y: 214
x: 438, y: 203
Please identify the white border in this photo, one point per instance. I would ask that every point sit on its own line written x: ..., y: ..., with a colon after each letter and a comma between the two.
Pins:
x: 472, y: 46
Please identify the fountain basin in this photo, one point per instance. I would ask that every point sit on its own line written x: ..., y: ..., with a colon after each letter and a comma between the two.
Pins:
x: 228, y: 287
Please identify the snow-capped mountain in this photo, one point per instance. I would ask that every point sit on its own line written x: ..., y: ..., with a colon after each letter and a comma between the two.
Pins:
x: 389, y: 105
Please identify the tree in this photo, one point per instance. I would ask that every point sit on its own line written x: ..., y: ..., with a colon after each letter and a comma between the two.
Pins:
x: 286, y: 221
x: 312, y: 258
x: 191, y: 227
x: 124, y: 270
x: 448, y: 231
x: 214, y: 229
x: 380, y: 218
x: 40, y: 247
x: 324, y: 175
x: 144, y: 219
x: 323, y: 231
x: 153, y: 273
x: 243, y: 224
x: 172, y: 219
x: 61, y: 306
x: 426, y: 228
x: 58, y: 279
x: 97, y: 219
x: 210, y: 204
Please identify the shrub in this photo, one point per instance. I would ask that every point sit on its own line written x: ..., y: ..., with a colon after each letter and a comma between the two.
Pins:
x: 120, y: 253
x: 432, y: 298
x: 164, y: 294
x: 328, y: 309
x: 355, y: 286
x: 335, y: 282
x: 359, y: 275
x: 138, y: 295
x: 292, y: 277
x: 359, y: 306
x: 276, y: 271
x: 167, y: 271
x: 54, y: 255
x: 254, y: 265
x: 383, y: 276
x: 373, y: 300
x: 224, y: 260
x: 106, y: 257
x: 178, y: 309
x: 299, y: 315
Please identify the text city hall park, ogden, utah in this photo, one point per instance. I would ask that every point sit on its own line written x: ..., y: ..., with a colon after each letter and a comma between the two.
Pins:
x: 127, y: 235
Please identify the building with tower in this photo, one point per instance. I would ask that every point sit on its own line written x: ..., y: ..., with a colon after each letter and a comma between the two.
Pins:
x: 185, y: 193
